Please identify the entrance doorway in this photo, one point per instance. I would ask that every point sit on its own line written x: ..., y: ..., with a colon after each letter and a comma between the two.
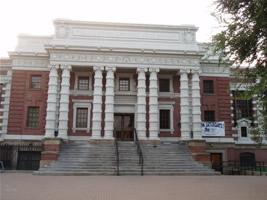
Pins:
x: 124, y: 126
x: 216, y: 161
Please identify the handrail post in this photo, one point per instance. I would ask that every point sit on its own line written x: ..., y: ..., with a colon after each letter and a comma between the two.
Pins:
x: 139, y: 152
x: 117, y: 152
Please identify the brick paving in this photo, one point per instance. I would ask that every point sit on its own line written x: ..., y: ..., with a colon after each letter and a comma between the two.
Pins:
x: 17, y: 186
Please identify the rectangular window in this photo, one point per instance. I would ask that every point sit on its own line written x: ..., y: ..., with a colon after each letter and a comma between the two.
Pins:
x: 81, y: 117
x: 209, y: 115
x: 124, y: 84
x: 164, y: 85
x: 242, y: 107
x: 244, y: 132
x: 83, y: 83
x: 165, y: 119
x: 33, y: 117
x: 36, y: 82
x: 208, y: 86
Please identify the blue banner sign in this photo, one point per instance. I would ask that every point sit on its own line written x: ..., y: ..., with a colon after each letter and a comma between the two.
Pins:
x: 213, y: 129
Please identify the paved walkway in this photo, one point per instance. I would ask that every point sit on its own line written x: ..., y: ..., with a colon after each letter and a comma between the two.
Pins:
x: 29, y: 187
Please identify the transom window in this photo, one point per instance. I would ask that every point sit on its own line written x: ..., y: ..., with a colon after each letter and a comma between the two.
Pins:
x: 33, y: 117
x: 164, y: 85
x: 124, y: 84
x: 165, y: 120
x: 83, y: 83
x: 81, y: 117
x: 209, y: 115
x: 208, y: 86
x: 35, y: 82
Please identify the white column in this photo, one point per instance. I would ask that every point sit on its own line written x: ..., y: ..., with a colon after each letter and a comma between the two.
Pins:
x: 196, y: 111
x: 5, y: 102
x: 153, y: 105
x: 50, y: 125
x: 184, y: 105
x: 109, y: 103
x: 141, y: 104
x: 97, y: 103
x: 64, y: 102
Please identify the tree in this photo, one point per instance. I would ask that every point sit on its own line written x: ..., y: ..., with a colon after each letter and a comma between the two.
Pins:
x: 243, y: 40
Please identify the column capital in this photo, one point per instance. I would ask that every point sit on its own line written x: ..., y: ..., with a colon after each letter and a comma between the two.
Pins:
x: 154, y: 70
x: 65, y: 67
x: 110, y: 68
x: 196, y: 71
x: 184, y: 71
x: 53, y: 66
x: 141, y: 69
x: 98, y: 68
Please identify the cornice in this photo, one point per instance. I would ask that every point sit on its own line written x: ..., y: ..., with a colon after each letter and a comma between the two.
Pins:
x: 123, y: 25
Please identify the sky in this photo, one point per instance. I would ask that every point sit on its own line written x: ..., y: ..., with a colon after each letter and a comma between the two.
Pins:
x: 35, y: 17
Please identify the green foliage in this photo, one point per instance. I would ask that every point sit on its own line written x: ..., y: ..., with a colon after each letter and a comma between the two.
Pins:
x: 244, y: 41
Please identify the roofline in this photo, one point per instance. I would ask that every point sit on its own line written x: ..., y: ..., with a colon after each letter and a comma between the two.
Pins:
x: 124, y: 25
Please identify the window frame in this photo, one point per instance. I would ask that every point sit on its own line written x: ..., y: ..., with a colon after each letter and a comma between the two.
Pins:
x: 167, y: 120
x: 81, y: 104
x: 166, y: 76
x: 166, y: 106
x: 31, y: 81
x: 83, y: 78
x: 204, y: 87
x: 246, y: 105
x: 133, y: 83
x: 129, y: 84
x: 37, y: 118
x: 214, y: 115
x: 169, y: 83
x: 77, y: 117
x: 83, y: 74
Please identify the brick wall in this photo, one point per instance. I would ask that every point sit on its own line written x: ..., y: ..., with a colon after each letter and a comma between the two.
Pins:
x: 219, y: 101
x: 22, y: 96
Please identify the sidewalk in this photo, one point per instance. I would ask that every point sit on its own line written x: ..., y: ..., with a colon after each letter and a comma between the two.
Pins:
x: 14, y: 186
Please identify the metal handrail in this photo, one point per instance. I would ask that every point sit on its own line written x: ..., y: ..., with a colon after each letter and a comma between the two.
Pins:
x: 2, y: 168
x: 242, y: 166
x: 139, y: 152
x: 117, y: 152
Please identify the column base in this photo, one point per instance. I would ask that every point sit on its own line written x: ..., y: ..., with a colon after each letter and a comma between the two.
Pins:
x: 51, y: 149
x: 63, y: 136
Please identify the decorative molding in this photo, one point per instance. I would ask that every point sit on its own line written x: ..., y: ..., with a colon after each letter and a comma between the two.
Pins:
x: 215, y: 70
x: 122, y: 59
x: 23, y: 137
x: 30, y: 62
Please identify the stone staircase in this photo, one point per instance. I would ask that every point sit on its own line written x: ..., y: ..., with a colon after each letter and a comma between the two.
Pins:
x: 129, y: 160
x: 171, y: 158
x: 166, y: 158
x: 83, y: 158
